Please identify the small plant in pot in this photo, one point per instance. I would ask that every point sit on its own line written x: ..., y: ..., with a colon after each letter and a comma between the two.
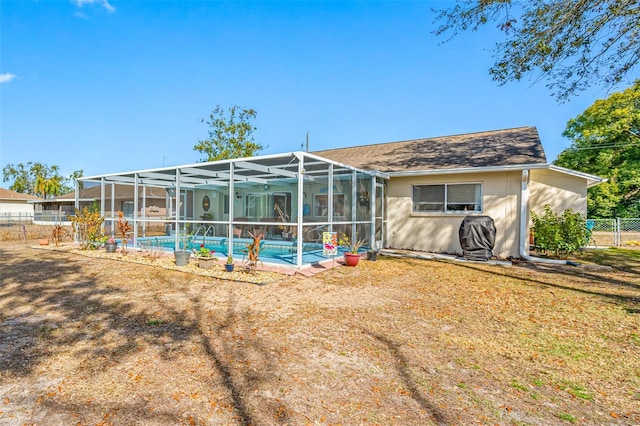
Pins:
x: 111, y: 245
x: 205, y: 257
x: 351, y: 256
x: 229, y: 265
x: 182, y: 256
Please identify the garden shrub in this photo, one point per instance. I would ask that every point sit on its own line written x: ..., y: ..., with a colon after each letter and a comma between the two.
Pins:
x: 559, y: 235
x: 87, y: 225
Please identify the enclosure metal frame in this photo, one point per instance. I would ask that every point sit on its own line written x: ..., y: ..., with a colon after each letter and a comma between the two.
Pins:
x: 294, y: 168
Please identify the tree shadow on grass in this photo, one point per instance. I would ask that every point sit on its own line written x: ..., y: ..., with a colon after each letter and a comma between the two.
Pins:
x: 621, y: 259
x: 50, y: 302
x: 614, y: 286
x: 240, y: 357
x: 402, y: 367
x: 54, y: 302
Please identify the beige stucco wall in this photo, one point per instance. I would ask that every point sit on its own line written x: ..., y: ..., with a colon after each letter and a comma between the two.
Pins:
x: 438, y: 232
x: 560, y: 190
x: 15, y: 208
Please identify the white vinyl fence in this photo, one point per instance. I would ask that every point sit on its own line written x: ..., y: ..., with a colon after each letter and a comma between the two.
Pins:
x: 615, y: 232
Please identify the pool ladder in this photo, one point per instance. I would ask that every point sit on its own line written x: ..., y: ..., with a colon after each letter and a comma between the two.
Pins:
x: 206, y: 232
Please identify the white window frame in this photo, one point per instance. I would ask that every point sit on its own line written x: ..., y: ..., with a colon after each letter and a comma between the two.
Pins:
x: 445, y: 202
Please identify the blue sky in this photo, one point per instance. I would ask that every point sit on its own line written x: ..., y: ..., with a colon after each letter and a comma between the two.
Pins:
x: 112, y: 86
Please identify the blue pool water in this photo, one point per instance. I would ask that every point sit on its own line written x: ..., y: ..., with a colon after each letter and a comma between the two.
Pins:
x: 271, y: 251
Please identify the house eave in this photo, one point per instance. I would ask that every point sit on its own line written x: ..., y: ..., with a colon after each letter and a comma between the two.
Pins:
x: 592, y: 180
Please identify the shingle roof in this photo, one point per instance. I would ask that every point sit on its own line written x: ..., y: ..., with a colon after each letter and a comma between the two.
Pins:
x: 7, y: 194
x: 508, y: 147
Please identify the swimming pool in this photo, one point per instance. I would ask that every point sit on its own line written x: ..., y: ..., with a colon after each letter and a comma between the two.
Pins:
x: 271, y: 251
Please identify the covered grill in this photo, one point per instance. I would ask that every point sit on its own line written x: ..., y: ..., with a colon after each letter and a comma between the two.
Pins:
x: 477, y: 237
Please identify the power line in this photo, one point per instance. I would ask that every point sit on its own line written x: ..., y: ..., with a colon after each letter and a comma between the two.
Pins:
x: 603, y: 146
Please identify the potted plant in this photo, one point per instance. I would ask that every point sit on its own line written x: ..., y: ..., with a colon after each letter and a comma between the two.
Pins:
x: 111, y: 245
x: 351, y: 256
x: 205, y: 257
x: 182, y: 256
x: 229, y: 265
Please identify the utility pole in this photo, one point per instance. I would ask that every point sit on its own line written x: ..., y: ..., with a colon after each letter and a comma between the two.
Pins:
x: 307, y: 141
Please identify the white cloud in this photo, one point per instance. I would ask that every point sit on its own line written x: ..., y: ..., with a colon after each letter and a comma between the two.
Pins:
x: 5, y: 78
x: 103, y: 3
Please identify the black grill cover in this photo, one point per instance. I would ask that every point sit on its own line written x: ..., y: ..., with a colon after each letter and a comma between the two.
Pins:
x: 477, y: 237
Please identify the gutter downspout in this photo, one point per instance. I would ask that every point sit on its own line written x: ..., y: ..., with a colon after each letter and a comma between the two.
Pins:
x: 524, y: 210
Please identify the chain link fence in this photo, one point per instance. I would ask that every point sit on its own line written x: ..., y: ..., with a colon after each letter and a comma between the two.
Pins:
x: 628, y: 231
x: 604, y: 232
x: 614, y: 232
x: 7, y: 218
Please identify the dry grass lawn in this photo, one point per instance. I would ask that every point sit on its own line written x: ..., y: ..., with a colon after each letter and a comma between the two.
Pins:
x: 89, y: 341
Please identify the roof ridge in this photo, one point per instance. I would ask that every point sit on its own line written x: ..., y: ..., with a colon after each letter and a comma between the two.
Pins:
x: 429, y: 138
x: 504, y: 147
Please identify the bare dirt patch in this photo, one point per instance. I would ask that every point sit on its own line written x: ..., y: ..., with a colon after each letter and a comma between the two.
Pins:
x: 99, y: 341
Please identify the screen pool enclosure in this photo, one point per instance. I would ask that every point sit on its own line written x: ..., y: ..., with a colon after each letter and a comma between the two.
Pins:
x: 290, y: 199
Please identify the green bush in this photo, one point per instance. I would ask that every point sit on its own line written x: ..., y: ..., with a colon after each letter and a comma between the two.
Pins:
x: 559, y: 235
x: 87, y: 225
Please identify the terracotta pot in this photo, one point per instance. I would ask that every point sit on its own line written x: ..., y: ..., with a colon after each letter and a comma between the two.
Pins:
x: 43, y: 242
x: 351, y: 259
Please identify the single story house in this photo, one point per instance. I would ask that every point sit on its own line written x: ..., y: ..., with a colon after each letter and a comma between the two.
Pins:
x: 434, y: 183
x: 14, y: 206
x: 411, y: 194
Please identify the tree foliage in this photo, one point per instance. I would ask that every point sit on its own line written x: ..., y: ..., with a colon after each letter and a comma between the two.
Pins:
x: 573, y: 44
x: 605, y: 141
x: 39, y: 179
x: 230, y: 136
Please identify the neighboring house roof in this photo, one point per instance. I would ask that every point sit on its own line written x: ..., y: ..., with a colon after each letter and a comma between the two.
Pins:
x: 7, y: 194
x: 121, y: 192
x: 506, y: 148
